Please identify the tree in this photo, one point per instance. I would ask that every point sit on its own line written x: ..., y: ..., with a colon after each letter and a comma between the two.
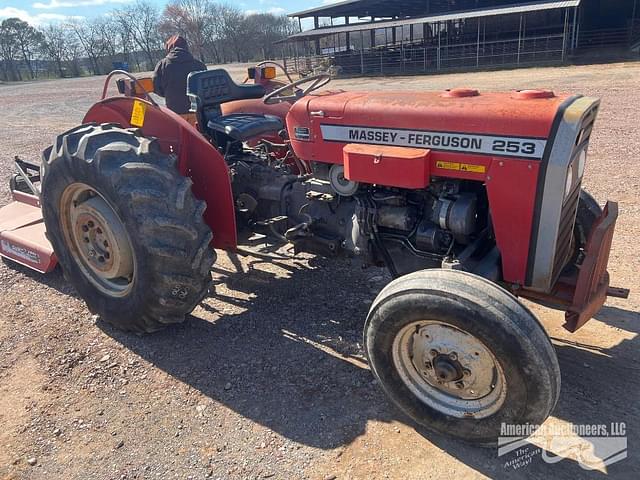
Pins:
x: 193, y: 19
x: 89, y: 35
x: 61, y: 47
x: 264, y: 29
x: 9, y: 50
x: 232, y: 29
x: 27, y: 40
x: 216, y: 32
x: 53, y: 45
x: 141, y: 20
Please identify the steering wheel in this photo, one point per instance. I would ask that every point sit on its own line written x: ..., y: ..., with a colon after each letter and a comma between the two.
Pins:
x: 275, y: 64
x: 317, y: 81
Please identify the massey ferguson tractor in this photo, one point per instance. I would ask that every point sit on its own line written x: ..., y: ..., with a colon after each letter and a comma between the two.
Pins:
x: 471, y: 200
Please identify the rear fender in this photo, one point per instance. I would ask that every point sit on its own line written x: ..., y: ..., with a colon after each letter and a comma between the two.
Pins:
x: 197, y: 158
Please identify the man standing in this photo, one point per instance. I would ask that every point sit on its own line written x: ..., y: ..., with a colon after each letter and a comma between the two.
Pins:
x: 170, y: 75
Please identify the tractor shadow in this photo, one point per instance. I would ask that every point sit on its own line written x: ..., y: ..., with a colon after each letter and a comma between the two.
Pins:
x: 287, y: 337
x: 281, y: 344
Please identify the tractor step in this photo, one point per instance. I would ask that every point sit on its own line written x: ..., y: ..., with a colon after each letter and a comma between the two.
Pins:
x: 320, y: 196
x: 319, y: 190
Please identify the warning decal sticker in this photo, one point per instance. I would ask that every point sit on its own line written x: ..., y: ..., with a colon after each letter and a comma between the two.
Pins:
x: 137, y: 113
x: 461, y: 167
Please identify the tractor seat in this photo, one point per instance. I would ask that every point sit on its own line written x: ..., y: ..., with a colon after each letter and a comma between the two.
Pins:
x: 209, y: 89
x: 245, y: 126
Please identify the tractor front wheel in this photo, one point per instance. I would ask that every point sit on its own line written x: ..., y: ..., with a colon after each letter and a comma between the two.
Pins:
x: 460, y: 355
x: 126, y: 229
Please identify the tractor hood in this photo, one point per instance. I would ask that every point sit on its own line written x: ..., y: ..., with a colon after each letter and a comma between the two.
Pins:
x: 324, y: 122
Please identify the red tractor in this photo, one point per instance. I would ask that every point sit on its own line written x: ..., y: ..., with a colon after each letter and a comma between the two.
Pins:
x: 469, y: 199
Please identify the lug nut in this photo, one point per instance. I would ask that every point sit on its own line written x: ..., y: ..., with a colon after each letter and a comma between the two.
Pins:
x: 466, y: 372
x: 91, y: 224
x: 434, y: 352
x: 460, y: 385
x: 453, y: 356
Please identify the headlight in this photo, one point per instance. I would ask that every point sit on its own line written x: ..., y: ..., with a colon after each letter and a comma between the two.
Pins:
x: 569, y: 183
x: 582, y: 162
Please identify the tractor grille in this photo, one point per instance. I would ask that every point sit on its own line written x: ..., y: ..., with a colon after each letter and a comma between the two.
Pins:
x: 565, y: 233
x: 565, y: 242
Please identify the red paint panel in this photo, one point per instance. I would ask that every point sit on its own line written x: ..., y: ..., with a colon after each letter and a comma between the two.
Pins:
x: 390, y: 166
x: 197, y: 159
x: 511, y: 188
x: 503, y: 114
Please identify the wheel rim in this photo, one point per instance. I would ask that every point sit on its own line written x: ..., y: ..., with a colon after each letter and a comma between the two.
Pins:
x: 449, y: 369
x: 97, y: 239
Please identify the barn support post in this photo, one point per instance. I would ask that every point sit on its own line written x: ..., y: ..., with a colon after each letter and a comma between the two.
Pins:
x: 439, y: 44
x: 578, y: 30
x: 524, y: 34
x: 361, y: 52
x: 424, y: 45
x: 347, y: 35
x: 564, y: 34
x: 574, y: 42
x: 316, y: 25
x: 519, y: 39
x: 632, y: 30
x: 478, y: 46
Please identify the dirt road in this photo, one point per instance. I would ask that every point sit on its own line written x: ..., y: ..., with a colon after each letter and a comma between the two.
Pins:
x: 267, y: 379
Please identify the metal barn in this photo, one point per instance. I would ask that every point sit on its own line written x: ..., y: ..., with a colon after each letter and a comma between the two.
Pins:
x: 377, y: 37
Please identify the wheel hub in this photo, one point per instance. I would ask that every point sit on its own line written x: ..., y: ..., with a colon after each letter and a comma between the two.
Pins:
x: 446, y: 370
x: 97, y: 239
x: 449, y: 369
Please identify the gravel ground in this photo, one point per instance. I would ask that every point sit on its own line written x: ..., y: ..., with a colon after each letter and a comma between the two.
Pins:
x: 267, y: 378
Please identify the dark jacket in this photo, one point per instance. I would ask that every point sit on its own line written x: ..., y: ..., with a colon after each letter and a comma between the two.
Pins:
x: 170, y: 78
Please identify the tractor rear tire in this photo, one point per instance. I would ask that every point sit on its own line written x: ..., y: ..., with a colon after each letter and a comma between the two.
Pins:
x: 460, y: 355
x: 125, y: 226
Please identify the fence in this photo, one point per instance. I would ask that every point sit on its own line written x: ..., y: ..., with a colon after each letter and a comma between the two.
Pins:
x: 412, y: 59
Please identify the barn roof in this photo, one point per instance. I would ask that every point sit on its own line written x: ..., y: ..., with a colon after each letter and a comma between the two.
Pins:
x: 402, y: 8
x: 475, y: 13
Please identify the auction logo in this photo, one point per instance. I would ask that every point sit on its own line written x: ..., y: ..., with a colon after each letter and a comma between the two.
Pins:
x: 592, y: 446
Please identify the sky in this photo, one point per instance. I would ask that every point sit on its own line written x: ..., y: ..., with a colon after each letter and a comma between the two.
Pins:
x: 39, y: 12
